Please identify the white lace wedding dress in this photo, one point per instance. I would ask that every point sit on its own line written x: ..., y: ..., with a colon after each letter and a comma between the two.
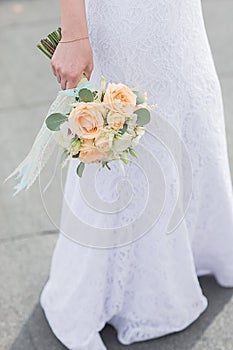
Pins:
x: 149, y: 288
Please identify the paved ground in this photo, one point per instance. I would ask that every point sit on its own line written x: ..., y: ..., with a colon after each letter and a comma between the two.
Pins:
x: 27, y: 236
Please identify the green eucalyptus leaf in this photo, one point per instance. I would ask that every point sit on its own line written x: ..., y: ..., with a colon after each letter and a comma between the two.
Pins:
x: 53, y: 121
x: 143, y: 116
x: 85, y: 95
x: 80, y: 169
x: 140, y: 97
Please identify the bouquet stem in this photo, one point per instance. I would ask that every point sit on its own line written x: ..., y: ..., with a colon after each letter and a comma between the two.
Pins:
x: 49, y: 44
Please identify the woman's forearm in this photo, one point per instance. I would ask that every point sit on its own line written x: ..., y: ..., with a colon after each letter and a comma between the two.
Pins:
x: 73, y: 19
x: 72, y: 58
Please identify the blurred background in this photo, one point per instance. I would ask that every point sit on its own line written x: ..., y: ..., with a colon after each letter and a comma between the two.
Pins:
x: 27, y: 235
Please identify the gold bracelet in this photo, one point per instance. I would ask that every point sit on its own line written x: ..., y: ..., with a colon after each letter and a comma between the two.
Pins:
x: 70, y: 41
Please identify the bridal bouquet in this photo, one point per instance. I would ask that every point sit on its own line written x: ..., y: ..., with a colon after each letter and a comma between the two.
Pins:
x: 94, y: 125
x: 102, y: 125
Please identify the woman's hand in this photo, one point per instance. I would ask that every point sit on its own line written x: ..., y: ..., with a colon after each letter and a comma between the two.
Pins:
x: 70, y: 60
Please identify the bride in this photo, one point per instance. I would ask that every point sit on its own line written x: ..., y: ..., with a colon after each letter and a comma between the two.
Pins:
x: 146, y: 287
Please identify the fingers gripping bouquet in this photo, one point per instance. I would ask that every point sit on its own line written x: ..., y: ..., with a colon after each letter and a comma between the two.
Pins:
x: 102, y: 125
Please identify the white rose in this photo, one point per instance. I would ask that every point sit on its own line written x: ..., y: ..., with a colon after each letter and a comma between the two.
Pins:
x: 122, y: 142
x: 64, y: 136
x: 140, y: 132
x: 132, y: 121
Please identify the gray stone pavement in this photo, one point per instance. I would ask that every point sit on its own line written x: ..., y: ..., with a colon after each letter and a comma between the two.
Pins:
x: 27, y: 236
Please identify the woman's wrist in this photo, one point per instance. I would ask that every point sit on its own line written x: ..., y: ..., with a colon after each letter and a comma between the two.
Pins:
x: 71, y: 40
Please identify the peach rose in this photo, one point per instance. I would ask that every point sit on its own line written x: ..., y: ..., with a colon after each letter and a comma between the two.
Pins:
x: 120, y: 98
x: 89, y: 153
x: 115, y: 120
x: 103, y: 142
x: 86, y: 119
